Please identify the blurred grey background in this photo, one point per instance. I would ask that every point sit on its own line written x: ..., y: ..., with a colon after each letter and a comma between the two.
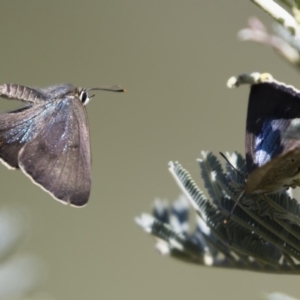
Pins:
x: 174, y: 58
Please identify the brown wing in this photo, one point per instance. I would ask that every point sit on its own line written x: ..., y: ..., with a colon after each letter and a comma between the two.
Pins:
x: 275, y: 175
x: 19, y: 126
x: 58, y: 159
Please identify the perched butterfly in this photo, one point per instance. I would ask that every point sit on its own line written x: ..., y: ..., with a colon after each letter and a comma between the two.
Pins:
x: 48, y: 139
x: 272, y: 154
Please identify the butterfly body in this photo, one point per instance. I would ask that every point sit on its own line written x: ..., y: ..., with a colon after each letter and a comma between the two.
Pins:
x: 48, y: 139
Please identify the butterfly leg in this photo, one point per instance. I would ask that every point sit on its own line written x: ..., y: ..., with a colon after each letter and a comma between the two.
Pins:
x: 240, y: 197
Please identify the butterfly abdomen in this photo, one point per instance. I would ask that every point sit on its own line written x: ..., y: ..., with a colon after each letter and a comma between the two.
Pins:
x: 20, y: 92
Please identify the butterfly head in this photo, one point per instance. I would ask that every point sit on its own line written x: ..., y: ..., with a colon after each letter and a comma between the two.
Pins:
x: 83, y: 96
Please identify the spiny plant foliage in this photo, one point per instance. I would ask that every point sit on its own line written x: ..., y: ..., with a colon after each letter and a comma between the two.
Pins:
x: 262, y: 233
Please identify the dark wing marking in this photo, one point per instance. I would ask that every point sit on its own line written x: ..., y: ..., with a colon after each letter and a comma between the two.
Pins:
x: 58, y: 158
x: 271, y: 108
x: 278, y: 173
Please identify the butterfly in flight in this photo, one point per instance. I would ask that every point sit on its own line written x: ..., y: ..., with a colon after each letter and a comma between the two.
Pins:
x: 48, y: 138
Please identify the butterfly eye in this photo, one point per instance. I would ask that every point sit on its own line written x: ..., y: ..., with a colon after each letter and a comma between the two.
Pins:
x: 84, y: 98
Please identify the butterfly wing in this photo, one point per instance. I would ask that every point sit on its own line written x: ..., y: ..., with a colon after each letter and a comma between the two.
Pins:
x: 17, y: 128
x: 276, y: 174
x: 58, y: 158
x: 272, y: 109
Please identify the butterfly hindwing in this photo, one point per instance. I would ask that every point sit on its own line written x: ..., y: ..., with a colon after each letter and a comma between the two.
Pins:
x: 278, y: 173
x: 16, y: 129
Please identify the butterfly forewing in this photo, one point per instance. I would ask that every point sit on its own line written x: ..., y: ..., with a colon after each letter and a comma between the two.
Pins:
x: 273, y: 157
x: 271, y: 109
x: 58, y: 158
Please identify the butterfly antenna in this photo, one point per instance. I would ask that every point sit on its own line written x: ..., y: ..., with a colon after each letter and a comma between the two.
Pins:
x: 113, y: 88
x: 234, y: 206
x: 224, y: 156
x: 242, y: 193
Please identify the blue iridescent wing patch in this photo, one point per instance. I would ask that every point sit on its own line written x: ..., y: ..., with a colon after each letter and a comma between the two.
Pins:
x: 272, y: 155
x: 272, y: 110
